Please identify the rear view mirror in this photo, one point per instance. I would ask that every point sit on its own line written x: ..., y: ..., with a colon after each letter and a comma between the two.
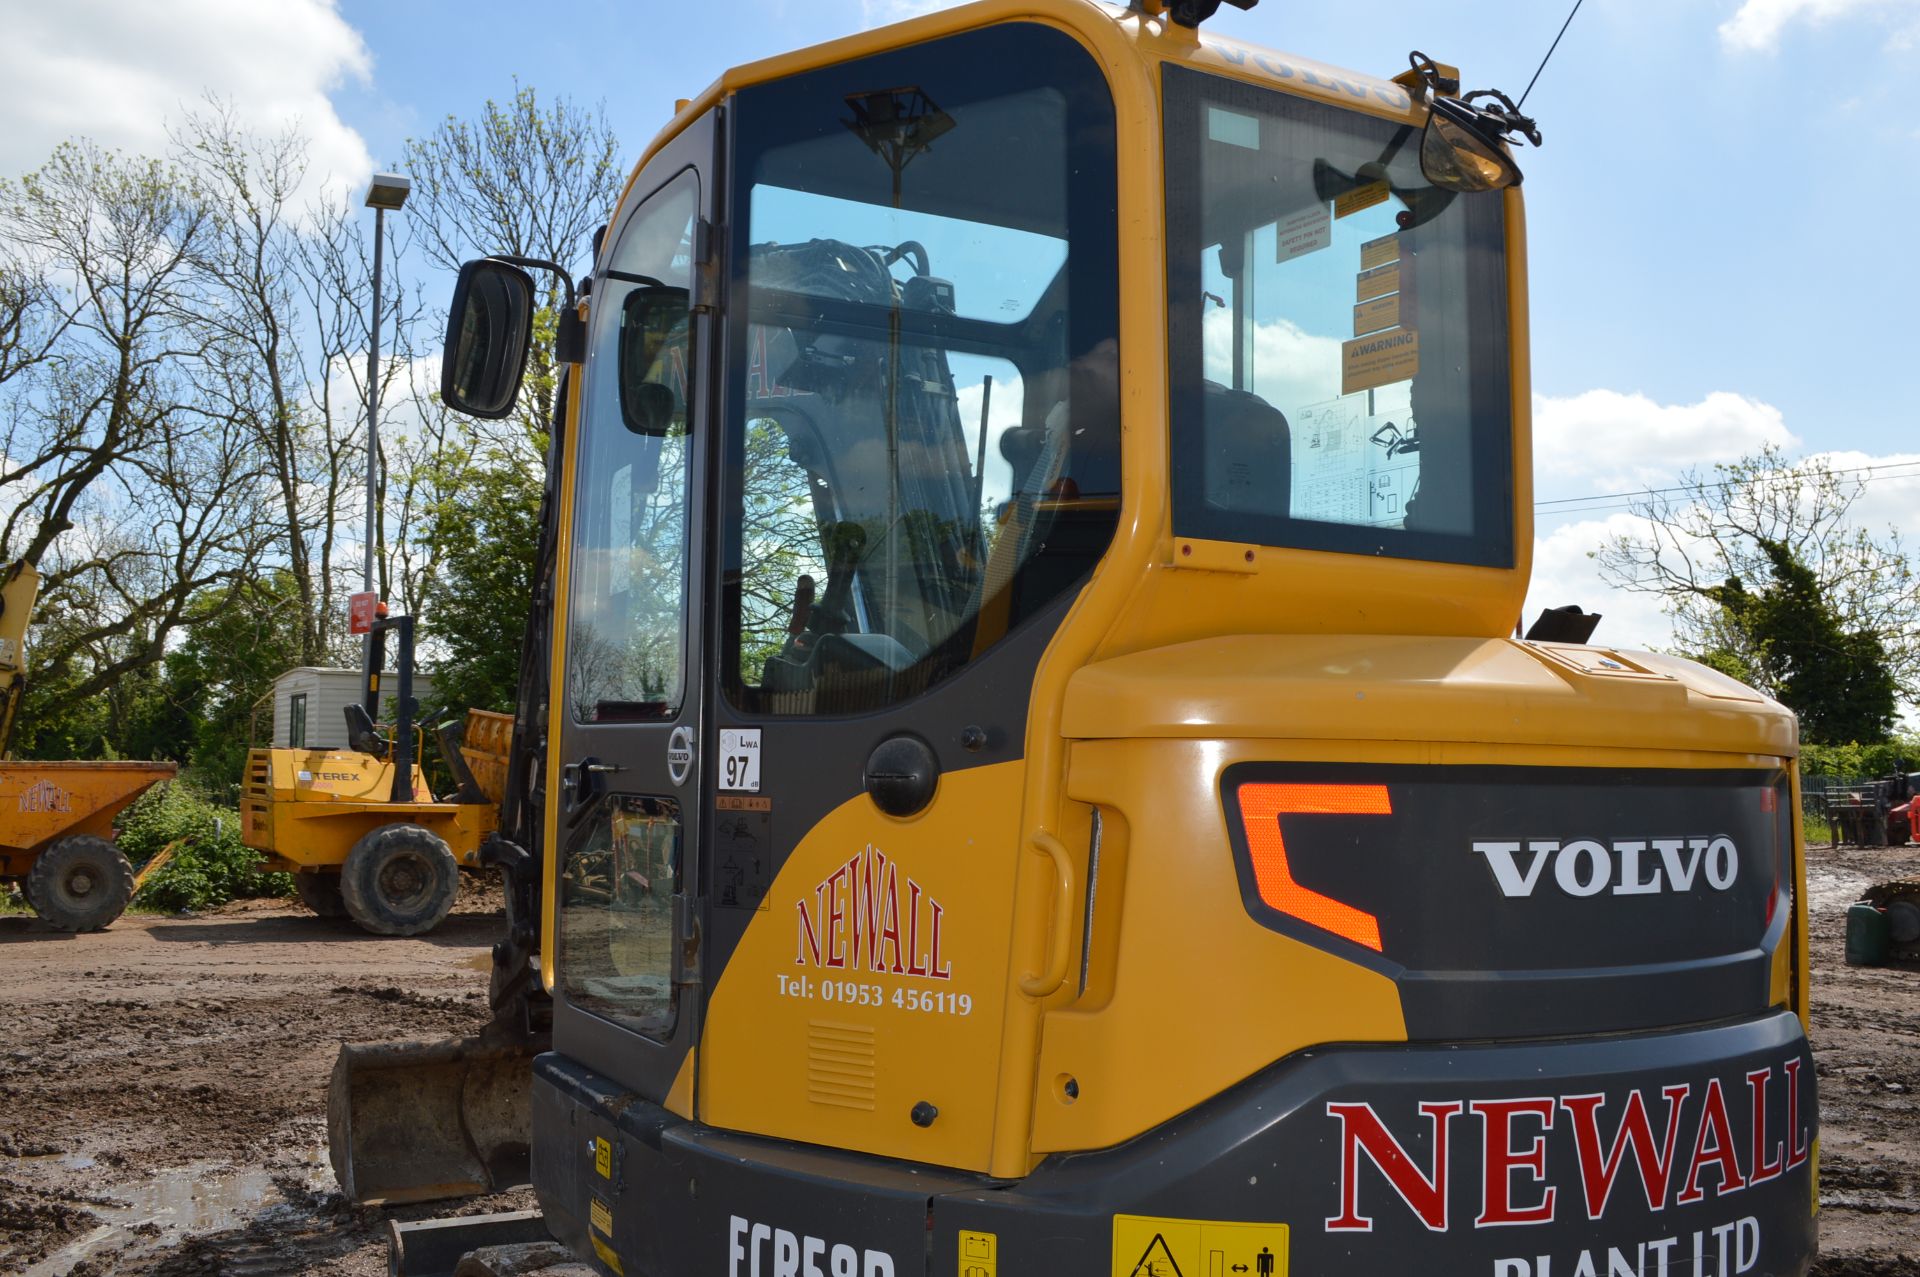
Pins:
x: 489, y: 331
x: 653, y: 359
x: 1463, y: 150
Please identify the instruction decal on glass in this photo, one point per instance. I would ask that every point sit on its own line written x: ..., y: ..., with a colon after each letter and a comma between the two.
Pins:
x: 1360, y: 198
x: 1378, y: 252
x: 1378, y: 314
x: 1378, y: 282
x: 1307, y: 231
x: 1378, y: 360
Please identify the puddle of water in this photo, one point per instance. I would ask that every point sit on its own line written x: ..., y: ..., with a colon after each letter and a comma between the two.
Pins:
x: 482, y: 961
x: 192, y: 1199
x: 1832, y: 888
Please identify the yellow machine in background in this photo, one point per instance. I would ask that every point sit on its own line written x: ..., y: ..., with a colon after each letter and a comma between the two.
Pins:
x: 359, y: 828
x: 56, y: 818
x: 1023, y: 765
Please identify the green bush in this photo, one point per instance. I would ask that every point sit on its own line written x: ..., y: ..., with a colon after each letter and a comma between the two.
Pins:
x: 1855, y: 761
x: 209, y: 868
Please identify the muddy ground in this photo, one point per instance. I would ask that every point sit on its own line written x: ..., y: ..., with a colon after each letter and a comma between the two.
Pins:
x: 163, y: 1085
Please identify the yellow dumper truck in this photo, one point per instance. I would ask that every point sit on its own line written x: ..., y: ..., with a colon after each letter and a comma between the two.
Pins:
x: 359, y: 828
x: 56, y: 818
x: 1037, y: 524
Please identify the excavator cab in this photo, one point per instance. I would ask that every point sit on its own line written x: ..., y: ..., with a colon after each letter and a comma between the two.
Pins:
x: 1026, y: 765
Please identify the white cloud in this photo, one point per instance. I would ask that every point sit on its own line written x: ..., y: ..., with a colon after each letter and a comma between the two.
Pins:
x: 1292, y: 367
x: 1890, y: 495
x: 1564, y: 572
x: 1604, y: 440
x: 118, y: 73
x: 1756, y: 26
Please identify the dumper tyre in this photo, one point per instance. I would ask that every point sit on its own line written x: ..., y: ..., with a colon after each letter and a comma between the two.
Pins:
x: 320, y: 892
x: 399, y: 880
x: 80, y: 883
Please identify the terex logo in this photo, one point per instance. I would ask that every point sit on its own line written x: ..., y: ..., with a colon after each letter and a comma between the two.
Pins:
x: 1629, y: 867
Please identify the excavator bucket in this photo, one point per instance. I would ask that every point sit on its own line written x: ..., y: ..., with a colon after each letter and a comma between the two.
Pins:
x: 425, y: 1121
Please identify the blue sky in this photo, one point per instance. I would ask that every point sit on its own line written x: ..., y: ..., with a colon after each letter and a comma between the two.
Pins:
x: 1719, y: 250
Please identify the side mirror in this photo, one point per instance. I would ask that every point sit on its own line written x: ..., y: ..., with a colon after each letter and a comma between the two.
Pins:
x: 1464, y: 150
x: 489, y: 332
x: 654, y: 337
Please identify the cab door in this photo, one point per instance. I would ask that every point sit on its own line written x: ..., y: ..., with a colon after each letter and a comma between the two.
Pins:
x: 627, y: 705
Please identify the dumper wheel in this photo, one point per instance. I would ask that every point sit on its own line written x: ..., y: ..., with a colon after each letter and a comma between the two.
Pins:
x: 399, y: 880
x: 81, y: 883
x: 320, y: 892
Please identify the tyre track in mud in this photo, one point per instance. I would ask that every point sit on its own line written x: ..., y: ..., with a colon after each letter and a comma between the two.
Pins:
x: 163, y: 1084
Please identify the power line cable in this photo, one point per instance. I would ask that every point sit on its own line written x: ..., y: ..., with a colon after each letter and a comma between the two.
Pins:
x: 1581, y: 505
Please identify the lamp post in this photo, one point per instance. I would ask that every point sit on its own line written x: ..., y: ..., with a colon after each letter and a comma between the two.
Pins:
x: 388, y: 191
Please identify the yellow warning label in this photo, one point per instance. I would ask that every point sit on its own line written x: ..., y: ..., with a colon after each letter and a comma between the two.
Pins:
x: 1377, y: 360
x: 603, y: 1158
x: 600, y: 1217
x: 1378, y: 282
x: 1378, y: 252
x: 1360, y: 197
x: 1381, y: 312
x: 1144, y: 1246
x: 979, y: 1254
x: 607, y: 1255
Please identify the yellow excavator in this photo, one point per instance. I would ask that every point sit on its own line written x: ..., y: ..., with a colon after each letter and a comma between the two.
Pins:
x: 1024, y: 762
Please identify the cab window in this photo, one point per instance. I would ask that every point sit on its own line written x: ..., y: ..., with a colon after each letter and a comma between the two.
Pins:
x: 923, y: 440
x: 1338, y: 333
x: 626, y: 643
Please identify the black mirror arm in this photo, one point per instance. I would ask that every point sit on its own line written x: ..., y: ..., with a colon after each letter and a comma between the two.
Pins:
x: 570, y: 338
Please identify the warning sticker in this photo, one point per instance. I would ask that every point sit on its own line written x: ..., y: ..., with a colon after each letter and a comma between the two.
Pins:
x: 1144, y: 1246
x: 600, y: 1217
x: 1360, y: 197
x: 1304, y: 232
x: 1381, y: 312
x: 1378, y: 360
x: 979, y: 1254
x: 1378, y: 252
x: 1378, y: 282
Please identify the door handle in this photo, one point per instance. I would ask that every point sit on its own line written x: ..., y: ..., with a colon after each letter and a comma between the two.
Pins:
x: 581, y: 782
x: 1060, y: 944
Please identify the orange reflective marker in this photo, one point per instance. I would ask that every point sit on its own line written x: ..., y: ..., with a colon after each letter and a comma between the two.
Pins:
x: 1261, y: 806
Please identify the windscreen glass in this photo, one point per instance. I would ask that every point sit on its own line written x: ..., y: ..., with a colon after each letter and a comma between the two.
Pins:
x: 1339, y: 336
x: 923, y: 438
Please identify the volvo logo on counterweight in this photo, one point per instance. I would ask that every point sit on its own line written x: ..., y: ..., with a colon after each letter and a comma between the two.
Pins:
x: 1624, y: 867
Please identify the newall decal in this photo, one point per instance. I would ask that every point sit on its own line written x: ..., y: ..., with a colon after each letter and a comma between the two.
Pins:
x: 869, y: 916
x: 1520, y: 1187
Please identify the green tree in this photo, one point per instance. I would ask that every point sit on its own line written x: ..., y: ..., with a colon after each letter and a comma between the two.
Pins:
x: 239, y: 638
x: 531, y: 179
x: 484, y: 538
x: 1837, y: 680
x: 1707, y: 544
